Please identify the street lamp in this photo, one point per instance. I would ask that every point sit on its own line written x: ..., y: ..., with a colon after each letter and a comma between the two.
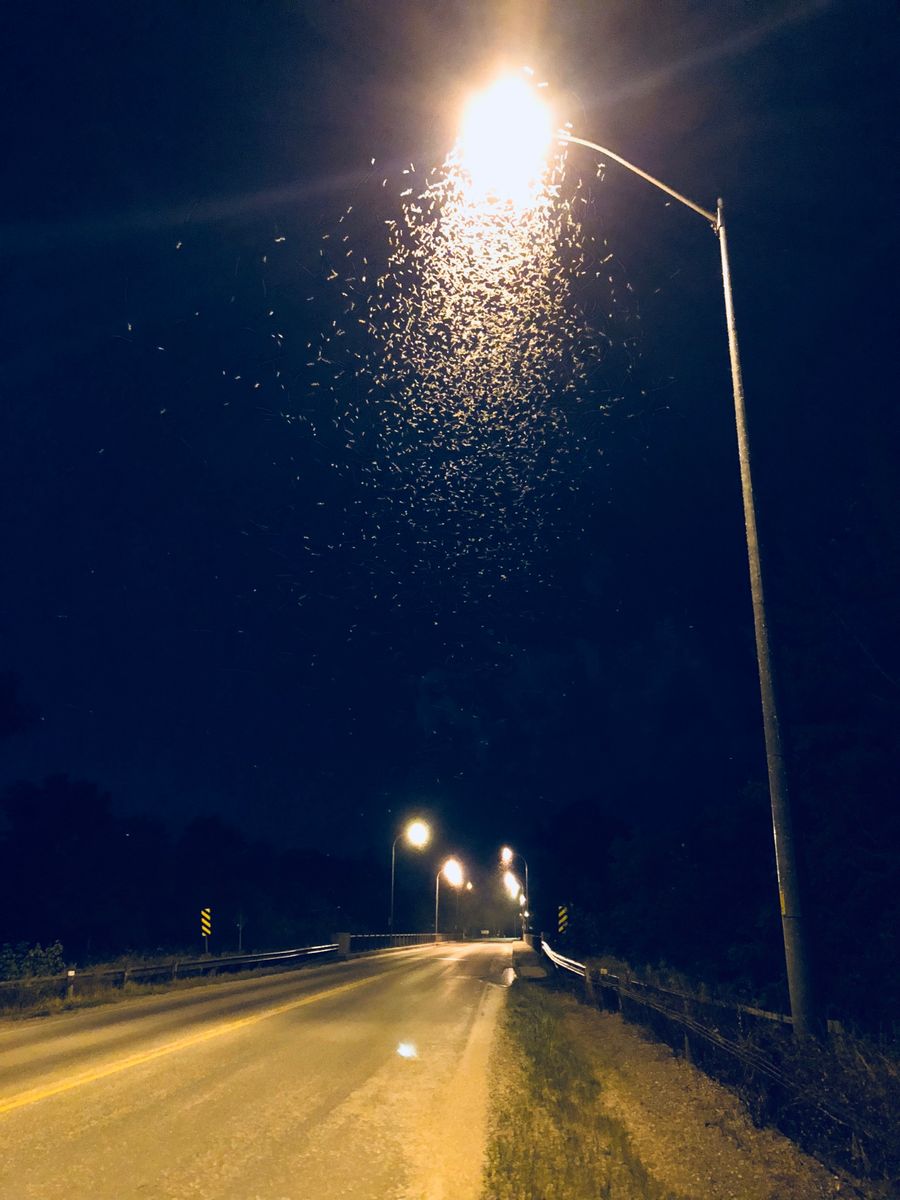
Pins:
x: 453, y: 872
x: 520, y: 126
x: 509, y: 167
x: 506, y: 857
x: 512, y: 885
x: 515, y: 893
x: 417, y: 834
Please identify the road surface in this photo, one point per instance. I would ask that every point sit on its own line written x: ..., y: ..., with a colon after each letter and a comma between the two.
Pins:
x: 365, y: 1080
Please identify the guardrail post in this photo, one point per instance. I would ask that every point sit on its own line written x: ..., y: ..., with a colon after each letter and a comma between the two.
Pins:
x: 589, y: 995
x: 343, y: 944
x: 688, y: 1055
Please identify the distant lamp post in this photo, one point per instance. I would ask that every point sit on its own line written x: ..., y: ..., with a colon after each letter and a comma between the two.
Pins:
x: 517, y: 137
x: 507, y: 854
x: 452, y: 871
x: 512, y: 885
x: 417, y: 834
x: 515, y: 893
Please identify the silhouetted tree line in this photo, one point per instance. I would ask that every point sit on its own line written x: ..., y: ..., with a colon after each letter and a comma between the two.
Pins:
x: 102, y: 884
x: 699, y: 894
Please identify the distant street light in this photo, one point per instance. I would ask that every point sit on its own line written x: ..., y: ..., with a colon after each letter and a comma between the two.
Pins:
x: 452, y: 871
x: 516, y: 135
x: 417, y: 834
x: 512, y: 885
x: 507, y: 854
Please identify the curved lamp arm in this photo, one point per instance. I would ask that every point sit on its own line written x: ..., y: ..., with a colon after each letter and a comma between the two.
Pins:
x: 713, y: 218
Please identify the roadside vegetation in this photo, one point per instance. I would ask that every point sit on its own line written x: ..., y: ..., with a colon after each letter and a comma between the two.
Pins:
x: 549, y: 1139
x: 586, y: 1107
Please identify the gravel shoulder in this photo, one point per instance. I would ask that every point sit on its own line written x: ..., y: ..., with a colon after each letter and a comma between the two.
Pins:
x: 691, y: 1133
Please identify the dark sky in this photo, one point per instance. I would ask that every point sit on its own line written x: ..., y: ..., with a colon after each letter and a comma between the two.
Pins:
x: 189, y: 598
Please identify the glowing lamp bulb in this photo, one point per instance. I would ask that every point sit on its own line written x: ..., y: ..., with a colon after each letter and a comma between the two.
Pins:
x: 512, y: 885
x: 453, y: 872
x: 506, y: 856
x: 505, y: 135
x: 418, y: 834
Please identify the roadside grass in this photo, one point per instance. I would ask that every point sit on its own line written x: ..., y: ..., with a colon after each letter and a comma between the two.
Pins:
x: 549, y: 1138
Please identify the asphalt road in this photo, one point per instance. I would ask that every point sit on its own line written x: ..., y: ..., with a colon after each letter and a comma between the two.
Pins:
x: 365, y: 1080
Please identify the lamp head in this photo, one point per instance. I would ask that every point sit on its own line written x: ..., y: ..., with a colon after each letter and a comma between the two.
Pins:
x: 506, y: 856
x: 418, y: 834
x: 503, y: 142
x: 512, y: 885
x: 453, y: 872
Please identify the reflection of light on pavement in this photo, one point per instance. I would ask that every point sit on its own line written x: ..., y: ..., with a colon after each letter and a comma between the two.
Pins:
x: 407, y: 1050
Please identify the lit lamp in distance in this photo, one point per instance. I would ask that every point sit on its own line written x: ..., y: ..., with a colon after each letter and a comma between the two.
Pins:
x: 416, y: 833
x: 513, y: 890
x: 453, y: 872
x: 507, y: 854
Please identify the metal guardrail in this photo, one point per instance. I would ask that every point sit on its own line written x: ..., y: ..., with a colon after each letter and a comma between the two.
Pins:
x: 362, y: 942
x: 564, y: 964
x: 608, y: 979
x: 785, y: 1099
x: 73, y: 980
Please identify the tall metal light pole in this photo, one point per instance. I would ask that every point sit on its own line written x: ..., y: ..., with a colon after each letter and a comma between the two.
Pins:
x: 417, y: 834
x: 803, y: 1007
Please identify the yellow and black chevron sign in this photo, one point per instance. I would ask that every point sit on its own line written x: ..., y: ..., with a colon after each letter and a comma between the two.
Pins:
x: 562, y: 918
x: 206, y: 921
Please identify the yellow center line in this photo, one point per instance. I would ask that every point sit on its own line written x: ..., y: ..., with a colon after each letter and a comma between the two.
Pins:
x: 45, y: 1091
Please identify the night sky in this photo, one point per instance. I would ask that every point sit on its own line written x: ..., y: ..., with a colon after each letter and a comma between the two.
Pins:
x: 212, y: 598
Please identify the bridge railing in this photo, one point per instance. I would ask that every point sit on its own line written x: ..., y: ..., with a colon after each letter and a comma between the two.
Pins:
x: 75, y: 982
x: 361, y: 943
